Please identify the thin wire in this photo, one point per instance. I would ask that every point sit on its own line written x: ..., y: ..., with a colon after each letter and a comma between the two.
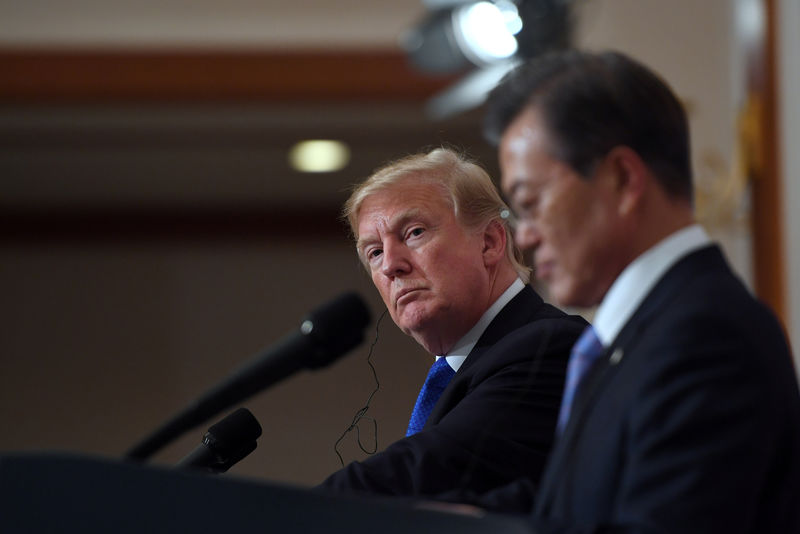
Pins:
x: 362, y: 413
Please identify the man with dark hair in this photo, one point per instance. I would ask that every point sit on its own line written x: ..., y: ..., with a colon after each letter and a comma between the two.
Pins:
x: 433, y: 233
x: 681, y: 412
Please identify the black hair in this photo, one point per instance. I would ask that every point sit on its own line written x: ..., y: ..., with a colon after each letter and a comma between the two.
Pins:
x: 593, y: 102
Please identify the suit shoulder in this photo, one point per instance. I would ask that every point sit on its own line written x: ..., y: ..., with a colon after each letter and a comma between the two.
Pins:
x: 548, y: 337
x: 550, y: 317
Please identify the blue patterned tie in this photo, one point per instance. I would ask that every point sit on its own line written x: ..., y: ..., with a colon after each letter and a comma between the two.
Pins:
x: 585, y: 351
x: 438, y: 378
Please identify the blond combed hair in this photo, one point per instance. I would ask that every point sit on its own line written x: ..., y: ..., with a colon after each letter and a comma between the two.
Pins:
x: 467, y: 187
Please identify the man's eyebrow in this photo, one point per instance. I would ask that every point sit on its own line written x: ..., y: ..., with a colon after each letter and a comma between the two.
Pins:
x: 522, y: 187
x: 360, y: 243
x: 404, y: 217
x: 397, y: 222
x: 516, y: 185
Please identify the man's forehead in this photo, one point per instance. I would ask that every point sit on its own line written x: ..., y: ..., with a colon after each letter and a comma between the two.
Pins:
x: 519, y: 139
x: 528, y: 128
x: 525, y: 146
x: 401, y: 198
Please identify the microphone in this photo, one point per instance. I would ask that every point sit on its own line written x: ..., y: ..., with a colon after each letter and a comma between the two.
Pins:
x: 225, y: 443
x: 325, y: 335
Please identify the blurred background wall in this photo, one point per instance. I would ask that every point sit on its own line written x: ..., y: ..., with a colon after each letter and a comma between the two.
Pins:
x: 155, y: 237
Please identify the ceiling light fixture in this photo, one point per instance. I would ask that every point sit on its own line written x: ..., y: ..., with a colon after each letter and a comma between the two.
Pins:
x: 485, y: 31
x: 319, y: 155
x: 469, y: 37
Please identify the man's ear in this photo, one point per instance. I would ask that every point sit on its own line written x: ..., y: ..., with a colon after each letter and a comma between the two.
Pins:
x: 630, y: 177
x: 494, y: 242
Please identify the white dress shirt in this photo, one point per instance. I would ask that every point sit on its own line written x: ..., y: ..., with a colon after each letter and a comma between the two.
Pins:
x: 464, y: 346
x: 640, y: 276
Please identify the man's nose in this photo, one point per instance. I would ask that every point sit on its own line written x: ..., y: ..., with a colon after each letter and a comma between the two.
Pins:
x: 527, y: 236
x: 395, y: 260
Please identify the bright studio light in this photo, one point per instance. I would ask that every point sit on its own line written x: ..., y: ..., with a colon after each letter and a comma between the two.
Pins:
x: 319, y: 155
x: 485, y: 30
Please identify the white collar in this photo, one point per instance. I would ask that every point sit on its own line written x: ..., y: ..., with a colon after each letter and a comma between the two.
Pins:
x: 464, y: 346
x: 640, y: 276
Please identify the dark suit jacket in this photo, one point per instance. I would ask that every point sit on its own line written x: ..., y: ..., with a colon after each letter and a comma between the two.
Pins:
x: 691, y: 424
x: 494, y: 421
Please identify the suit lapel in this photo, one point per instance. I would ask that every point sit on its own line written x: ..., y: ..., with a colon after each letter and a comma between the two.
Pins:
x: 518, y: 312
x: 606, y: 367
x: 558, y: 463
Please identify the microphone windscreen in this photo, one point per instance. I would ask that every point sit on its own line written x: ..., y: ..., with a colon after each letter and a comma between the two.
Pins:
x: 336, y: 327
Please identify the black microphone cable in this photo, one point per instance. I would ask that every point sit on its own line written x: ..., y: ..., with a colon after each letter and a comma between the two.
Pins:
x: 362, y: 413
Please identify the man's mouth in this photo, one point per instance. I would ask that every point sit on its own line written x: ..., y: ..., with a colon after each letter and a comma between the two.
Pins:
x: 406, y: 294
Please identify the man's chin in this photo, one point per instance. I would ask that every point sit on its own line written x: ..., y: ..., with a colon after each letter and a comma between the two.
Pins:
x: 421, y: 331
x: 415, y: 328
x: 568, y: 296
x: 411, y: 325
x: 561, y: 292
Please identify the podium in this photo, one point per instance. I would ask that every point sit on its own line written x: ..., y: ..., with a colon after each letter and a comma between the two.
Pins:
x: 56, y: 492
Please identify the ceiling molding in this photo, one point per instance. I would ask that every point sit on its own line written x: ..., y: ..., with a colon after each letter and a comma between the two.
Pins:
x: 93, y: 225
x: 55, y: 76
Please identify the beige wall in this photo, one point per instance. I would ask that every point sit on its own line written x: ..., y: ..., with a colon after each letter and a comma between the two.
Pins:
x: 233, y: 23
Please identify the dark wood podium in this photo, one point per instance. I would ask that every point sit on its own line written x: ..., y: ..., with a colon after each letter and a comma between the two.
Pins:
x: 54, y: 493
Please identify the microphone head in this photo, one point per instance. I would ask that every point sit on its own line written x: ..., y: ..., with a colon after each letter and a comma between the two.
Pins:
x: 228, y: 435
x: 336, y: 327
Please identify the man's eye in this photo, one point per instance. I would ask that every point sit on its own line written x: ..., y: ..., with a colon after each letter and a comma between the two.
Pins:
x: 374, y: 253
x: 416, y: 232
x: 526, y: 207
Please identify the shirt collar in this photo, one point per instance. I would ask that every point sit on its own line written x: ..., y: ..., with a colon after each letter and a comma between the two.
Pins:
x: 640, y: 276
x: 464, y: 346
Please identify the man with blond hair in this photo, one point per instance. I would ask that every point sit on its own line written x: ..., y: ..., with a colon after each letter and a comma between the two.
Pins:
x: 433, y: 234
